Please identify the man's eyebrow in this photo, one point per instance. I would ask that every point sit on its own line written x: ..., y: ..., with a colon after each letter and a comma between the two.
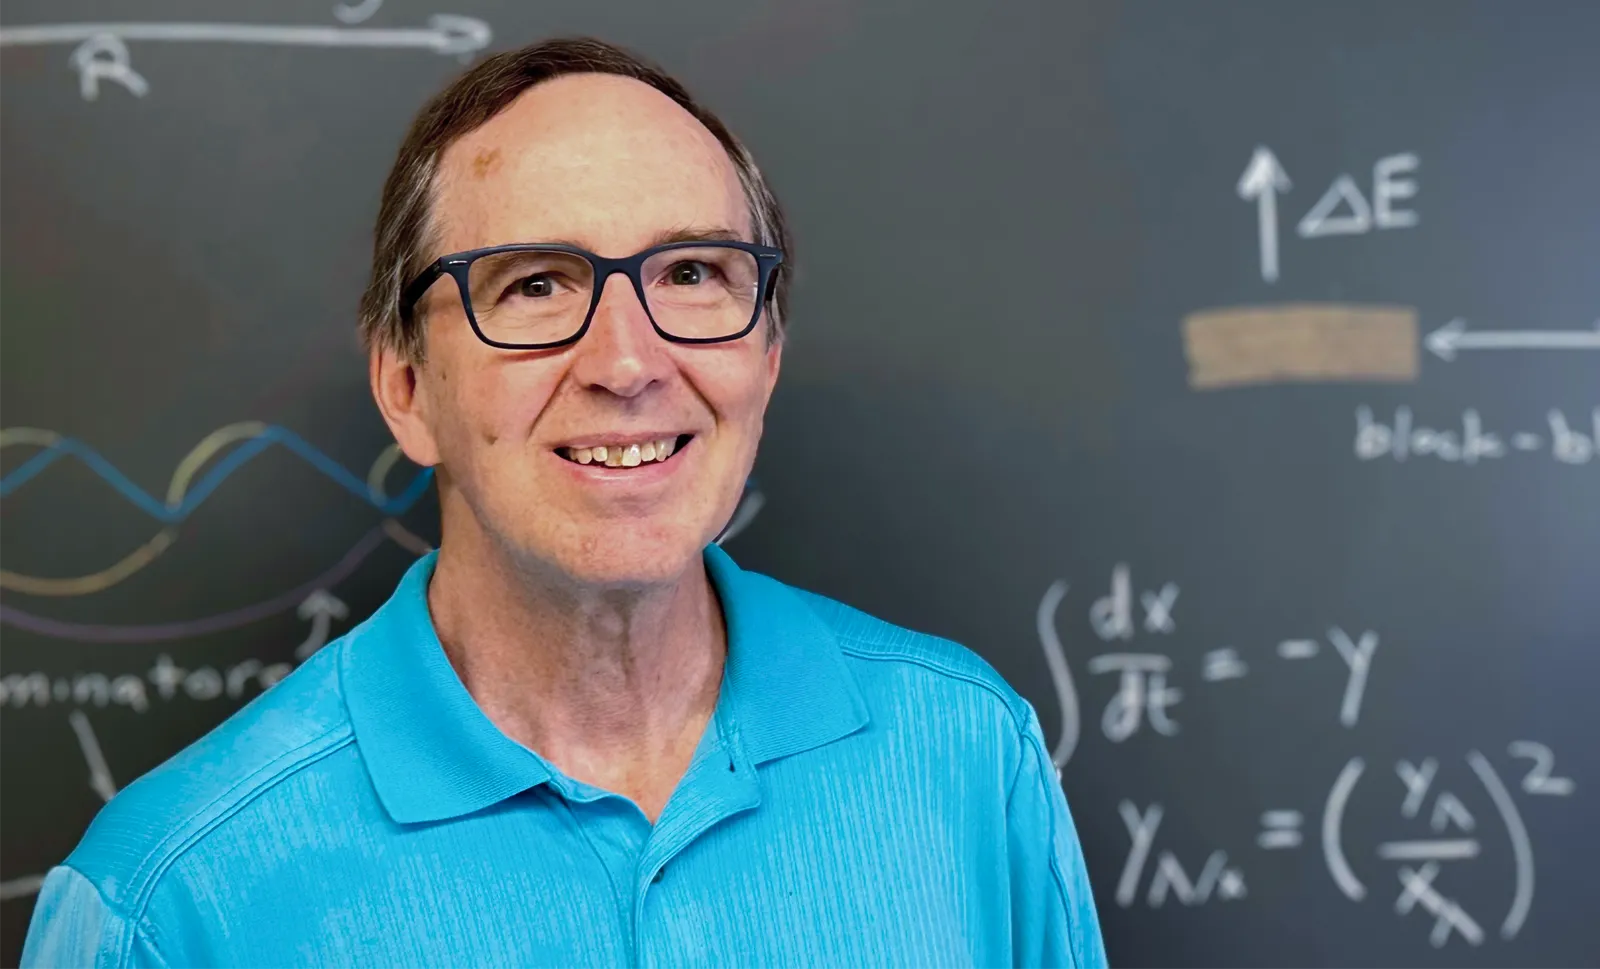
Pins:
x: 688, y: 233
x: 694, y: 234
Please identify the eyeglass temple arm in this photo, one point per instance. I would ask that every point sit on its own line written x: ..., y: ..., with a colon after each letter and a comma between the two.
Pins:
x: 413, y: 292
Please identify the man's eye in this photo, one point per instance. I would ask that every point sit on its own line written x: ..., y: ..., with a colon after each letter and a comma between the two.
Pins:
x: 533, y: 287
x: 689, y: 273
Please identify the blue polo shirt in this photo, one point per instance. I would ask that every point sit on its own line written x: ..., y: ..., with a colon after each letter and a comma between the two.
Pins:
x: 862, y: 796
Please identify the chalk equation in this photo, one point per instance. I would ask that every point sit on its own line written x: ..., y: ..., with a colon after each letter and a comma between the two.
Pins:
x: 1447, y: 813
x: 1145, y: 692
x: 1341, y: 210
x: 100, y: 52
x: 1414, y: 864
x: 1402, y: 437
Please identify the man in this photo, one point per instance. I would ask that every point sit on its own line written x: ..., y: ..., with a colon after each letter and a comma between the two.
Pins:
x: 579, y: 734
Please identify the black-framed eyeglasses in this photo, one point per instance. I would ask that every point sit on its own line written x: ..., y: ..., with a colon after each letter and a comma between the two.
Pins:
x: 542, y: 295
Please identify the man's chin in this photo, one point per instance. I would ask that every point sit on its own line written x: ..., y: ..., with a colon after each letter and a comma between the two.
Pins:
x: 617, y: 560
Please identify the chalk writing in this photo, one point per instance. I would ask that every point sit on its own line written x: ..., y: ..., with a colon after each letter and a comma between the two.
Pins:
x: 1146, y: 691
x: 1422, y: 864
x: 1216, y: 878
x: 1450, y: 816
x: 1112, y: 614
x: 356, y: 13
x: 1449, y: 916
x: 1538, y: 779
x: 166, y: 681
x: 1452, y: 824
x: 99, y: 773
x: 1358, y: 656
x: 1280, y: 829
x: 322, y: 609
x: 1060, y: 673
x: 1568, y: 443
x: 1143, y: 691
x: 1262, y: 180
x: 1341, y: 209
x: 101, y: 52
x: 1453, y: 337
x: 1223, y: 664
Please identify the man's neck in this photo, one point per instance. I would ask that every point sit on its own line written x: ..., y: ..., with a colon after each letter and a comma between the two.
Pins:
x: 613, y: 688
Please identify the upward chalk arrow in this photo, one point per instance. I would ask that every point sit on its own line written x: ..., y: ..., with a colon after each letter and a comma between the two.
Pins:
x: 1447, y: 340
x: 322, y: 608
x: 1262, y: 180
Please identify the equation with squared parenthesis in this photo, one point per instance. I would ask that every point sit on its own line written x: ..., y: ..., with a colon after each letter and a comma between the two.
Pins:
x: 1434, y: 816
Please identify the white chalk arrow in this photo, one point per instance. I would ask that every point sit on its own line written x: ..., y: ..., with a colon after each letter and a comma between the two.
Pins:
x: 445, y: 34
x: 1454, y: 336
x: 99, y: 774
x: 20, y: 887
x: 322, y: 608
x: 1262, y: 180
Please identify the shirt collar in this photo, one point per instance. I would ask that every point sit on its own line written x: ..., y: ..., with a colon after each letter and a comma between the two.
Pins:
x: 433, y: 754
x: 784, y: 686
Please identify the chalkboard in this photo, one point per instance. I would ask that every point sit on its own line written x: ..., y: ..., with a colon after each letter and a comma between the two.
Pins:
x: 1226, y: 374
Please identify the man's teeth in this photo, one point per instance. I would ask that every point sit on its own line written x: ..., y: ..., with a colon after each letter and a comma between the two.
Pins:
x: 622, y: 456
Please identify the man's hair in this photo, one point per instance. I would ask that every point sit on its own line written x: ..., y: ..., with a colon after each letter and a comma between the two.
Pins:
x: 401, y: 240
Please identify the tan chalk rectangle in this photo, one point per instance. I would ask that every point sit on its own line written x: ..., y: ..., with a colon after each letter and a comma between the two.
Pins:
x: 1237, y: 346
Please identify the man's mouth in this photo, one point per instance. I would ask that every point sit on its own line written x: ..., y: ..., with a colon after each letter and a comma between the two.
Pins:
x: 626, y: 455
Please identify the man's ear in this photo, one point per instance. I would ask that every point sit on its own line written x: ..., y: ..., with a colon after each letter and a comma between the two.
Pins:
x: 402, y: 399
x: 774, y: 361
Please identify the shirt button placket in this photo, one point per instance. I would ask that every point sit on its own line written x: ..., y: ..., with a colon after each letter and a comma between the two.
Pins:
x: 643, y: 927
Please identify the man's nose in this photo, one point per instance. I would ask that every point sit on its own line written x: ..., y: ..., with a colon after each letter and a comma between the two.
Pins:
x: 621, y: 351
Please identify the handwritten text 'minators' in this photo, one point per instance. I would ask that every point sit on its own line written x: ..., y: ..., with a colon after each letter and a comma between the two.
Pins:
x: 164, y: 682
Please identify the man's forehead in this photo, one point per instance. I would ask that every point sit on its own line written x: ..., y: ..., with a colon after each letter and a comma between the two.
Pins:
x: 601, y: 158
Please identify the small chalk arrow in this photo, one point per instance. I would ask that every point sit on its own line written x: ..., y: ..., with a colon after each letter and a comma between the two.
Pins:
x: 322, y: 608
x: 99, y: 774
x: 1262, y: 180
x: 1454, y: 336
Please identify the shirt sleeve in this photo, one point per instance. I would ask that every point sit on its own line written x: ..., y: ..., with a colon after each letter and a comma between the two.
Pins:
x: 74, y: 927
x: 1053, y: 914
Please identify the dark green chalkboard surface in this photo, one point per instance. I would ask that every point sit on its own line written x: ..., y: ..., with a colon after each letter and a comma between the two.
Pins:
x: 1227, y: 374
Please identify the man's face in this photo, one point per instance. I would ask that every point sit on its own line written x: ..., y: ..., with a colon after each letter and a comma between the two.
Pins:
x: 611, y: 165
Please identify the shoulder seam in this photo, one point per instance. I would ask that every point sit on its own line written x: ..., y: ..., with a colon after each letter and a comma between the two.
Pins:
x: 1026, y: 745
x: 160, y: 858
x: 1057, y: 874
x: 850, y: 647
x: 132, y: 926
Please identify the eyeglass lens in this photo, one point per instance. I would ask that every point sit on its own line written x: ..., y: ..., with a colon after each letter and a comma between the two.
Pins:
x: 528, y: 297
